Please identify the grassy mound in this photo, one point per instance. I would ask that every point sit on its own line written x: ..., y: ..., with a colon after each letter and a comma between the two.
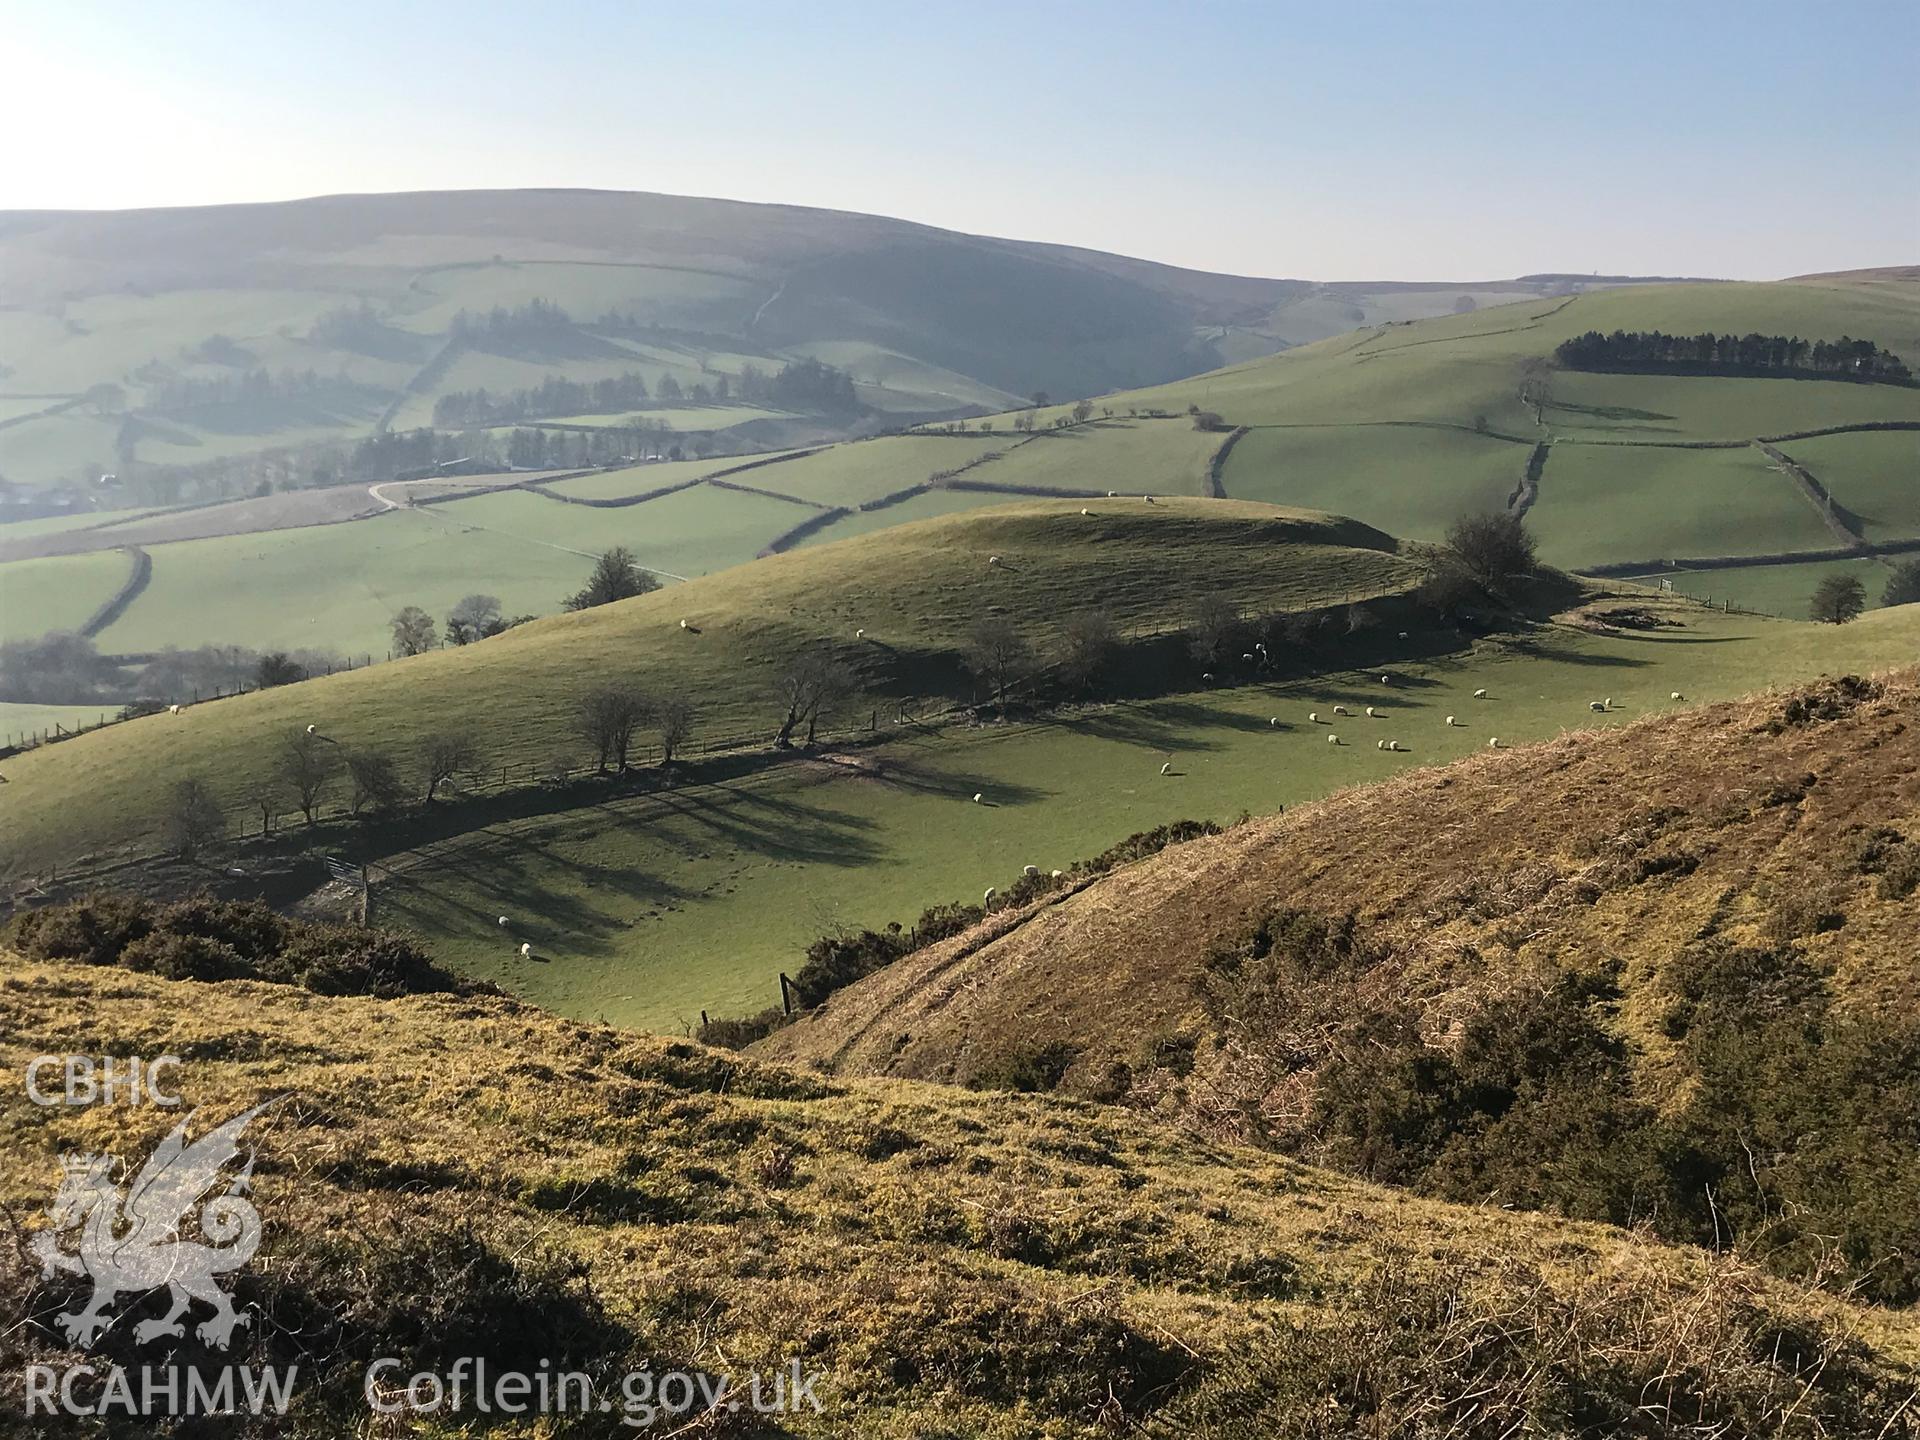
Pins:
x: 720, y: 641
x: 465, y: 1177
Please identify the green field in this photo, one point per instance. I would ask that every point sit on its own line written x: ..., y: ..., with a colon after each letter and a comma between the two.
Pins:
x: 637, y: 479
x: 644, y: 912
x: 852, y: 474
x: 1411, y: 479
x: 1874, y: 474
x: 1783, y: 590
x: 19, y: 720
x: 1153, y: 457
x: 59, y: 593
x: 916, y: 590
x: 1602, y: 504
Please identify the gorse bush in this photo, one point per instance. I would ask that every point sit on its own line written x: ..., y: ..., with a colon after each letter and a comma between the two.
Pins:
x: 201, y: 938
x: 1790, y: 1134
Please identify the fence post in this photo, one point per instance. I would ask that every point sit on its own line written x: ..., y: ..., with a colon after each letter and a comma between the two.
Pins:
x: 786, y: 994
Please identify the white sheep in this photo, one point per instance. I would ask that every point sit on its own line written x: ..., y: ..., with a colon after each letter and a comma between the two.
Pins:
x: 1372, y: 714
x: 993, y: 559
x: 1056, y: 874
x: 979, y: 799
x: 1608, y: 702
x: 986, y: 900
x: 1152, y: 501
x: 1274, y: 721
x: 1341, y: 710
x: 1167, y: 769
x: 859, y: 634
x: 503, y: 922
x: 1479, y: 694
x: 1030, y: 871
x: 1113, y: 494
x: 526, y: 950
x: 1085, y: 511
x: 1313, y: 717
x: 1386, y: 679
x: 1246, y: 659
x: 1493, y: 742
x: 1333, y: 739
x: 1393, y: 745
x: 1379, y: 744
x: 685, y: 626
x: 1597, y: 706
x: 1207, y: 676
x: 1452, y: 721
x: 175, y: 709
x: 313, y: 729
x: 1678, y: 696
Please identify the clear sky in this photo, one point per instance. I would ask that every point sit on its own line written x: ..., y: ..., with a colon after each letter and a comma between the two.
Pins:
x: 1338, y: 140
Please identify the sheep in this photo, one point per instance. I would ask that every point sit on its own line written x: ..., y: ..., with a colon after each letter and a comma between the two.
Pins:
x: 1313, y: 717
x: 1085, y: 511
x: 1372, y: 714
x: 993, y: 559
x: 1113, y: 494
x: 685, y: 626
x: 1493, y: 742
x: 1207, y: 676
x: 1678, y: 696
x: 1167, y: 769
x: 1246, y: 659
x: 1333, y: 739
x: 503, y: 922
x: 175, y: 709
x: 1055, y: 874
x: 860, y: 634
x: 1386, y: 679
x: 986, y: 900
x: 1274, y: 721
x: 1395, y: 745
x: 1379, y: 744
x: 526, y: 950
x: 979, y: 799
x: 1597, y: 706
x: 1341, y: 710
x: 313, y: 729
x: 1608, y: 702
x: 1452, y: 721
x: 1030, y: 871
x: 1479, y: 694
x: 1152, y: 501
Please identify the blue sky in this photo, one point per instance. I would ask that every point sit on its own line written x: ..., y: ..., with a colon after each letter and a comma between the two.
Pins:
x: 1331, y: 141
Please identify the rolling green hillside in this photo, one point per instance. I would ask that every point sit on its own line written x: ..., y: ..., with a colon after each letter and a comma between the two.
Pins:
x: 915, y: 590
x: 123, y: 334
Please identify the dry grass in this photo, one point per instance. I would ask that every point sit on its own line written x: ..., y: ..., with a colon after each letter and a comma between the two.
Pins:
x: 958, y: 1263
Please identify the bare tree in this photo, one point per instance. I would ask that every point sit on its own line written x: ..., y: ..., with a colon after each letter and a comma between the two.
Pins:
x: 615, y: 577
x: 812, y: 688
x: 1495, y: 548
x: 412, y: 631
x: 1089, y: 640
x: 447, y: 757
x: 1082, y: 411
x: 1216, y: 630
x: 375, y: 777
x: 474, y: 618
x: 306, y: 766
x: 193, y: 819
x: 1536, y: 385
x: 607, y: 718
x: 673, y: 719
x: 999, y: 655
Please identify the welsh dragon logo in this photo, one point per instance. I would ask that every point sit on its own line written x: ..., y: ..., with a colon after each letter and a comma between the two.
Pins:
x: 129, y: 1244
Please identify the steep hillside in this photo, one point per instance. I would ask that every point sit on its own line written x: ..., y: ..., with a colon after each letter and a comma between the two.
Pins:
x: 460, y: 1177
x: 722, y: 642
x: 1573, y: 975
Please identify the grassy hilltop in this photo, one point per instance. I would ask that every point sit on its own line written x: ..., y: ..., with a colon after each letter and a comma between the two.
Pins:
x: 461, y: 1176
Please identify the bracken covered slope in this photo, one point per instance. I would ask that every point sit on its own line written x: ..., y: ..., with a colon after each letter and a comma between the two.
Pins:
x: 1615, y: 847
x: 465, y: 1177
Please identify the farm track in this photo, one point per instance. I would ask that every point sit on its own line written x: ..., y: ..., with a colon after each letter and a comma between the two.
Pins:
x: 1528, y: 490
x: 1217, y: 464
